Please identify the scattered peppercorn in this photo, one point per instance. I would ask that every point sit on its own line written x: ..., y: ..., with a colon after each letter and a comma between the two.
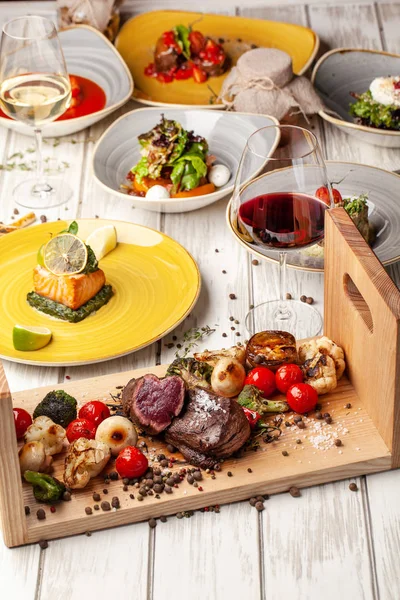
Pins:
x: 253, y: 501
x: 353, y: 487
x: 303, y: 298
x: 131, y: 496
x: 198, y: 475
x: 229, y: 473
x: 223, y: 271
x: 88, y: 533
x: 310, y: 300
x: 338, y: 442
x: 348, y: 405
x: 105, y: 491
x: 27, y: 510
x: 96, y: 507
x: 52, y: 509
x: 285, y: 453
x: 125, y: 481
x: 96, y: 497
x: 232, y: 296
x: 301, y: 425
x: 294, y: 492
x: 251, y: 306
x: 88, y: 510
x: 238, y: 333
x: 43, y: 218
x: 328, y: 420
x: 43, y: 544
x: 105, y: 505
x: 115, y: 502
x: 288, y: 296
x: 125, y: 488
x: 40, y: 514
x: 179, y: 515
x: 171, y: 448
x: 139, y: 497
x: 168, y: 489
x: 259, y: 506
x: 66, y: 496
x: 224, y: 335
x: 255, y: 262
x: 297, y: 418
x: 318, y: 415
x: 288, y: 424
x: 163, y: 519
x: 249, y: 470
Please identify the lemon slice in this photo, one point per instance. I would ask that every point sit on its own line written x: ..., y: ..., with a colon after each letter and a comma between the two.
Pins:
x: 40, y: 255
x: 30, y: 338
x: 65, y: 254
x: 102, y: 240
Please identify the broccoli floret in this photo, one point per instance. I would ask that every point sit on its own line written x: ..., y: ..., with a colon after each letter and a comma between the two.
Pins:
x: 59, y: 406
x: 251, y: 397
x: 45, y: 488
x: 194, y: 373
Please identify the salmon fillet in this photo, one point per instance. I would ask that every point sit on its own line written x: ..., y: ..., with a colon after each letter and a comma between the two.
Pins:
x: 71, y: 290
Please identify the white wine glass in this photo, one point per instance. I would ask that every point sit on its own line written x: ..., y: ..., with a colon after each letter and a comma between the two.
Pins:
x: 35, y: 90
x: 279, y: 205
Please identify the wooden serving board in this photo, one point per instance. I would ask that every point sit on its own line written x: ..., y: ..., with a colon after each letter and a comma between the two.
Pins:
x: 369, y: 443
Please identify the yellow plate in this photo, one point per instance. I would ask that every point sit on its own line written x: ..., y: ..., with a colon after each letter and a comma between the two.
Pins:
x: 155, y: 280
x: 137, y: 39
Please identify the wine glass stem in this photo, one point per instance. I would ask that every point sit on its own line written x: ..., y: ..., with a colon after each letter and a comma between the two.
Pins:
x: 41, y: 185
x: 283, y: 310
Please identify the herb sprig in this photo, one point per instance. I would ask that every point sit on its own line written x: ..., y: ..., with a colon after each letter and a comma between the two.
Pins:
x: 191, y: 338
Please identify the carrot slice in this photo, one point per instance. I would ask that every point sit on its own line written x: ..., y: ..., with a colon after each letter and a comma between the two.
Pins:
x: 208, y: 188
x: 146, y: 183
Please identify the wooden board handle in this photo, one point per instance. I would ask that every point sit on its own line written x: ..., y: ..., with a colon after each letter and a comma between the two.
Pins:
x: 11, y: 501
x: 362, y: 314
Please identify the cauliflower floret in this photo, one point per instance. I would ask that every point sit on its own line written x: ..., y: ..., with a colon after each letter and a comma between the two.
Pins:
x: 51, y: 435
x: 85, y: 460
x: 324, y: 345
x: 320, y: 373
x: 32, y: 457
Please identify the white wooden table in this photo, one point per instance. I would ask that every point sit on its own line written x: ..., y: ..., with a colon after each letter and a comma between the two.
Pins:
x: 330, y: 543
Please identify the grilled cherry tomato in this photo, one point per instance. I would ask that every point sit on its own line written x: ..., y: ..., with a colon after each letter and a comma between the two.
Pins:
x: 81, y: 428
x: 323, y: 194
x: 199, y: 75
x: 22, y: 420
x: 252, y: 416
x: 301, y: 397
x: 286, y: 376
x: 94, y: 411
x: 131, y: 462
x: 263, y: 378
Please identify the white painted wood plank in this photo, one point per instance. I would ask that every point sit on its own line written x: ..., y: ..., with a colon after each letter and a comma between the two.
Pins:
x: 315, y: 546
x: 389, y: 16
x: 19, y: 571
x: 296, y: 14
x: 101, y: 566
x: 209, y: 556
x: 384, y: 509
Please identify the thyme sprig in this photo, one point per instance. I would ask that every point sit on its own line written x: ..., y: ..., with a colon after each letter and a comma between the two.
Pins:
x: 191, y: 338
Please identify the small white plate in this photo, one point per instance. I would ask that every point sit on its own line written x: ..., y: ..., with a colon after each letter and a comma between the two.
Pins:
x: 89, y: 54
x: 118, y: 150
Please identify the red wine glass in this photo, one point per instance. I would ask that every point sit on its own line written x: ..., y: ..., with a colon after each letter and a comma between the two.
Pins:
x: 276, y: 207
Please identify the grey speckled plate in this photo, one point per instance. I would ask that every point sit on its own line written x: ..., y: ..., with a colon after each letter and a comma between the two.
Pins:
x: 383, y: 188
x: 345, y: 70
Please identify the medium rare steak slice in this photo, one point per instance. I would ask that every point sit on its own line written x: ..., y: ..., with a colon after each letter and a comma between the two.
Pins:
x: 152, y: 403
x: 209, y: 428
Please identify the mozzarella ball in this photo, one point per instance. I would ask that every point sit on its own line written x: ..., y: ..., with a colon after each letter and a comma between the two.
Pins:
x: 157, y: 192
x: 385, y: 91
x: 219, y: 175
x: 117, y: 432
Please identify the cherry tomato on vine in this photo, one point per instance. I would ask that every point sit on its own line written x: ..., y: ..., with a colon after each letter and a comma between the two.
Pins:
x: 22, y: 420
x: 81, y: 428
x: 263, y: 378
x: 94, y: 411
x: 131, y: 462
x: 323, y: 194
x: 286, y: 376
x: 301, y: 397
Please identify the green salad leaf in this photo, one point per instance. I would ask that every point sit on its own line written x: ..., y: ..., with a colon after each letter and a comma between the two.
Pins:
x: 374, y: 114
x: 141, y: 169
x: 182, y: 38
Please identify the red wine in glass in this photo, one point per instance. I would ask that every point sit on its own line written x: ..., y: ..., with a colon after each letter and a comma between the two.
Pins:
x: 284, y: 220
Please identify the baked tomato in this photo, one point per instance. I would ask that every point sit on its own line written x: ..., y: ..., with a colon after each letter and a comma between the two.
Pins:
x: 22, y: 420
x: 131, y: 462
x: 263, y: 378
x: 81, y: 428
x: 286, y: 376
x: 94, y: 411
x: 323, y: 194
x: 301, y: 397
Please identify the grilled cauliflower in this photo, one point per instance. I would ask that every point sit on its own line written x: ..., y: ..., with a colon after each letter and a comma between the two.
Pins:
x: 211, y: 357
x: 32, y: 457
x: 85, y: 460
x: 51, y: 435
x: 324, y: 345
x: 320, y: 373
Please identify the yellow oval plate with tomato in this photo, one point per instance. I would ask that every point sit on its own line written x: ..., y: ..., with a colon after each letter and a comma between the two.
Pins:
x: 138, y: 37
x: 155, y: 280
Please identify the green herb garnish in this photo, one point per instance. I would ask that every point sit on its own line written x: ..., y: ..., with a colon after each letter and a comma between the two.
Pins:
x: 374, y: 114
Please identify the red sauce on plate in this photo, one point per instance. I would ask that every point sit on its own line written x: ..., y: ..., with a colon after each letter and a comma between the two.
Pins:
x: 87, y: 98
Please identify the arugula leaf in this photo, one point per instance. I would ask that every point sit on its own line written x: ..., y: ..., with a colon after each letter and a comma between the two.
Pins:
x: 73, y: 228
x: 141, y: 169
x: 182, y: 38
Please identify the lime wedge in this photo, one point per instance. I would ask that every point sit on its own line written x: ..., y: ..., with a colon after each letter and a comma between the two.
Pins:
x: 65, y: 254
x: 30, y: 338
x: 102, y: 240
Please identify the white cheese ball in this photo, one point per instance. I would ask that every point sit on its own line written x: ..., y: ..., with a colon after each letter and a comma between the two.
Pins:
x: 219, y: 175
x: 117, y: 432
x: 383, y: 90
x: 157, y: 192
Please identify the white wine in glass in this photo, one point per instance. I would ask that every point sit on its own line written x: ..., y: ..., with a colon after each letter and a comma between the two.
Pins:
x: 35, y: 90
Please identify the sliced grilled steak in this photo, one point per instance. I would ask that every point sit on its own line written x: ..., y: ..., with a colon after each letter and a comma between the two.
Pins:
x: 209, y: 428
x: 152, y: 403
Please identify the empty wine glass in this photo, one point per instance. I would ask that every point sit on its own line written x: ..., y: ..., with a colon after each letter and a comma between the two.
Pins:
x: 279, y: 202
x: 35, y: 90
